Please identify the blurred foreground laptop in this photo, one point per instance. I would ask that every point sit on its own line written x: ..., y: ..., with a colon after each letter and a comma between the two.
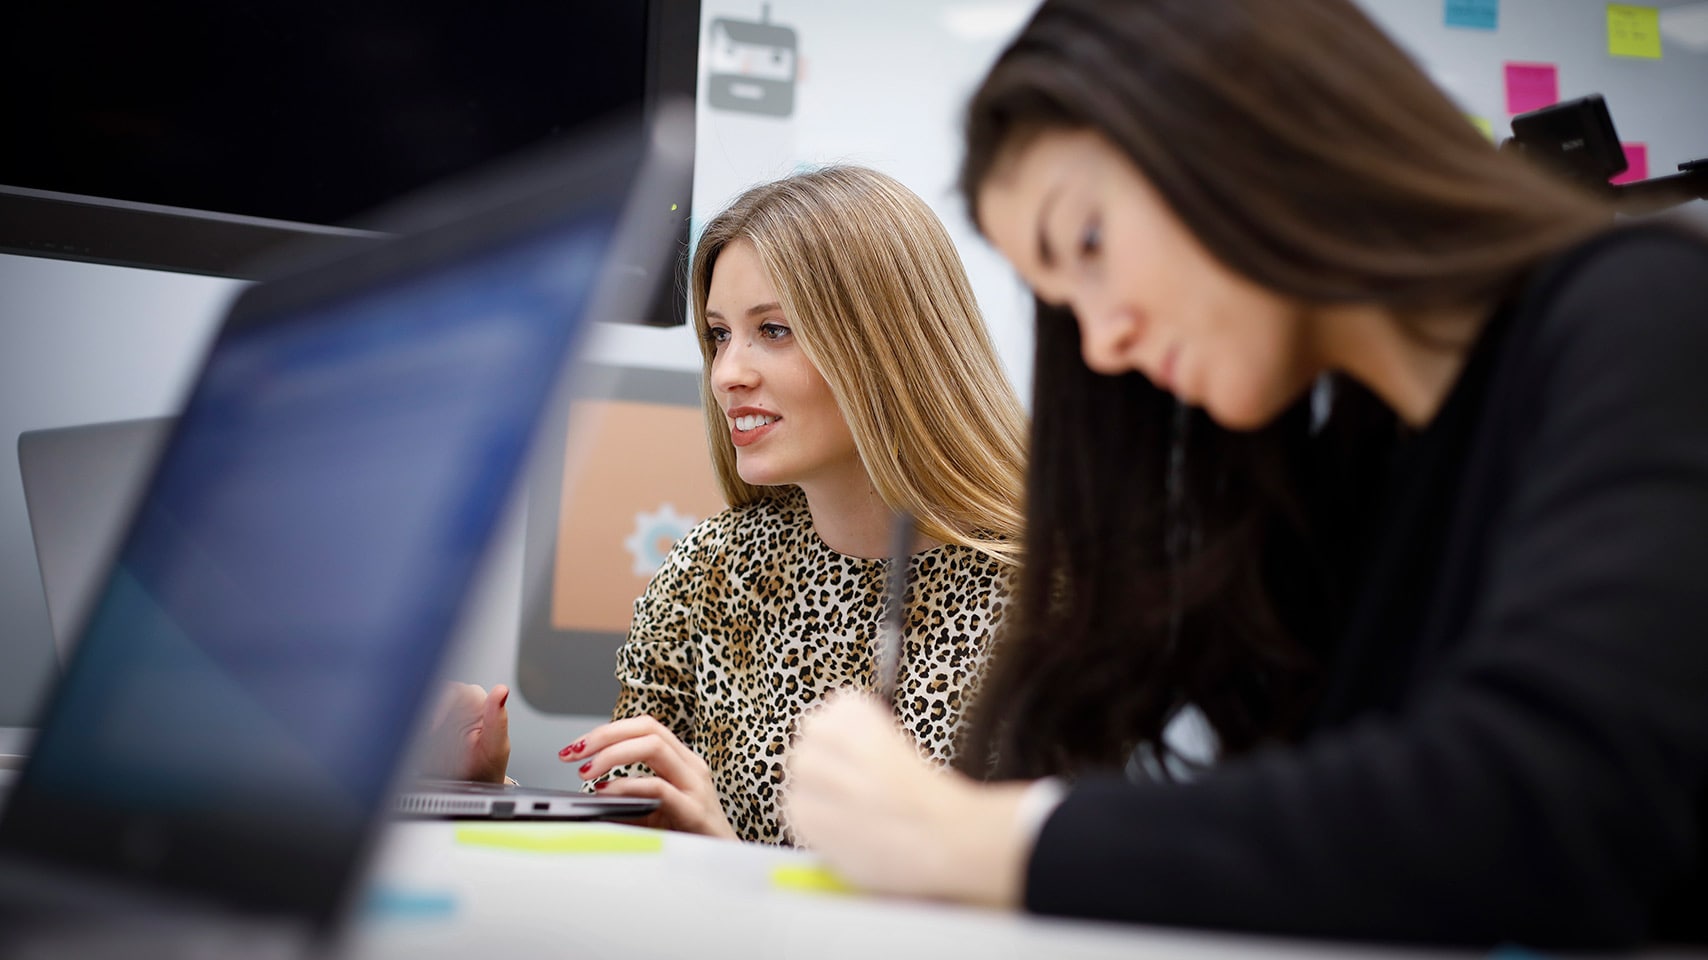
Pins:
x: 224, y: 742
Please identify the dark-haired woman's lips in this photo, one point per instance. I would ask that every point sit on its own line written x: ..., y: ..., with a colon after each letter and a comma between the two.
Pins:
x: 1165, y: 375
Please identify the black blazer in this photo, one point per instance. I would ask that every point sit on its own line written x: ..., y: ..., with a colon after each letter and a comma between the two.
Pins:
x: 1513, y: 745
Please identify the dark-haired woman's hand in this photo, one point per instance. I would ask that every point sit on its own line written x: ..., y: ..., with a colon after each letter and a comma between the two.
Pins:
x: 885, y: 819
x: 682, y: 783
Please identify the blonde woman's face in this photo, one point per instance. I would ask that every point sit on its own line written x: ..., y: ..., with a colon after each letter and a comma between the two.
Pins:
x: 783, y: 419
x: 1087, y: 231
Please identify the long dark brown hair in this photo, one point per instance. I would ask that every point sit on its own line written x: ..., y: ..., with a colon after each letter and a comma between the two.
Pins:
x: 1307, y: 153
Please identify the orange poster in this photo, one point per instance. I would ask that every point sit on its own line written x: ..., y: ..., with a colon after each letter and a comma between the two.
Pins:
x: 637, y: 476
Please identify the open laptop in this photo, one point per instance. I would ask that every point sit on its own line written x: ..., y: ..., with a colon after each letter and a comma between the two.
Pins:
x: 245, y: 683
x: 80, y: 486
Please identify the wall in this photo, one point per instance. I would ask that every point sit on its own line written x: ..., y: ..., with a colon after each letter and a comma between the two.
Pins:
x: 1657, y: 102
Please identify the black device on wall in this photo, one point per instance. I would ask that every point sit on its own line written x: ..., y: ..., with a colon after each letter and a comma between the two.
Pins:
x: 202, y: 135
x: 1576, y: 140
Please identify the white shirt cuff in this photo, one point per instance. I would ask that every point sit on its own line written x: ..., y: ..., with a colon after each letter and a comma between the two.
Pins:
x: 1039, y: 801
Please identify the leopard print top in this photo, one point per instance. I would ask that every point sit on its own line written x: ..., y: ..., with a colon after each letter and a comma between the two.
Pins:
x: 753, y: 619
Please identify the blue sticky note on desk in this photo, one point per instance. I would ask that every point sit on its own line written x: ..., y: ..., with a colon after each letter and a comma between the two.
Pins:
x: 1475, y: 14
x: 388, y: 903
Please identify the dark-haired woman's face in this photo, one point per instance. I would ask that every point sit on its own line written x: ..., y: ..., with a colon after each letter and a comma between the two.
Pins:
x: 1086, y: 230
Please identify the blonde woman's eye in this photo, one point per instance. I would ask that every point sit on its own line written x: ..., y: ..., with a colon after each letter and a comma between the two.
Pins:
x: 774, y: 331
x: 717, y: 335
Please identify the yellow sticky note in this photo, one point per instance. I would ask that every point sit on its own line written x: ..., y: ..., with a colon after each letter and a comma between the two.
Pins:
x: 1483, y: 124
x: 812, y: 879
x: 1633, y: 31
x: 560, y: 840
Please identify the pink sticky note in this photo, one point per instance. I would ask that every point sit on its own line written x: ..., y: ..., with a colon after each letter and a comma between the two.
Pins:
x: 1636, y: 163
x: 1531, y: 86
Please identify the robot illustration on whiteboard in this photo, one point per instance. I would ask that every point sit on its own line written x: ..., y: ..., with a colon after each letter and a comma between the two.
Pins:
x: 753, y: 66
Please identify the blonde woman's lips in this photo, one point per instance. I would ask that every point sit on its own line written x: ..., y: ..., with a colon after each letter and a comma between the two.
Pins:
x: 750, y: 424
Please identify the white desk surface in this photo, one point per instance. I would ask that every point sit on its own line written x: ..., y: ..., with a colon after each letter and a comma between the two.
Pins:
x: 705, y: 899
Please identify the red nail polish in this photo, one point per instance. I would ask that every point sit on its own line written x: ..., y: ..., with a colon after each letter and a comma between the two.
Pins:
x: 566, y: 751
x: 586, y: 766
x: 578, y: 746
x: 601, y: 784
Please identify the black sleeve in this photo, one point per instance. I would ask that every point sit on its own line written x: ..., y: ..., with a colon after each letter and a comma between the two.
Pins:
x: 1545, y: 786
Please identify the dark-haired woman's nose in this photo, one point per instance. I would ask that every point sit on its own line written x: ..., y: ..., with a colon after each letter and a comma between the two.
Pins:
x: 1108, y: 339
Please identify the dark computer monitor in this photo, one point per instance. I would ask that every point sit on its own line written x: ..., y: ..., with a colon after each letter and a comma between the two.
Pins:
x: 201, y: 135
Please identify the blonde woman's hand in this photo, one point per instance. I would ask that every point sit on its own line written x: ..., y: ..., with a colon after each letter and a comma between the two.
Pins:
x: 688, y: 800
x: 470, y: 737
x: 886, y: 820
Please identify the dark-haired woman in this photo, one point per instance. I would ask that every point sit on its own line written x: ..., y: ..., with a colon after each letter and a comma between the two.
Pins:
x: 1382, y: 452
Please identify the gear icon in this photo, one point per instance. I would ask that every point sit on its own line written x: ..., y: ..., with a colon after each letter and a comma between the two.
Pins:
x: 655, y: 533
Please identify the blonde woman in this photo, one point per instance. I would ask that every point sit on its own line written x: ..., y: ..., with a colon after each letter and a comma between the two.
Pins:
x: 848, y: 375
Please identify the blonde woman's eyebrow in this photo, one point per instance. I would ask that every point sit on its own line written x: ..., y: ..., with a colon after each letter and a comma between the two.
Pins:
x: 751, y: 311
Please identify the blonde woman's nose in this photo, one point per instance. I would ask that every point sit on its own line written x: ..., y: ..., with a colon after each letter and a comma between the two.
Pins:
x: 732, y: 370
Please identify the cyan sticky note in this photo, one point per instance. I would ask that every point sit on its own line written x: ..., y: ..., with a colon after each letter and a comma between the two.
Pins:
x: 409, y: 904
x: 1636, y: 163
x: 1473, y: 14
x: 1633, y: 31
x: 1531, y: 86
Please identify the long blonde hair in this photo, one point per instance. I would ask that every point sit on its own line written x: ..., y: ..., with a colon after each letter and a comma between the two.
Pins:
x: 880, y: 303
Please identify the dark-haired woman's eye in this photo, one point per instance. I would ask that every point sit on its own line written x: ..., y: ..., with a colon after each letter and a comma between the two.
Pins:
x: 1091, y: 241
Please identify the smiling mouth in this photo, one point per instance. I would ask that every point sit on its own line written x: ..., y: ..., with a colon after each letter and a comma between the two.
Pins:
x: 750, y: 423
x: 751, y: 427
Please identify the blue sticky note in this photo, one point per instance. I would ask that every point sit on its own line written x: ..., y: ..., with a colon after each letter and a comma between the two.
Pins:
x: 384, y: 902
x: 1474, y: 14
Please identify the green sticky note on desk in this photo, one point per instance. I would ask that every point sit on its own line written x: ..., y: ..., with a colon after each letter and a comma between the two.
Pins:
x: 1633, y: 31
x: 538, y: 840
x: 810, y: 878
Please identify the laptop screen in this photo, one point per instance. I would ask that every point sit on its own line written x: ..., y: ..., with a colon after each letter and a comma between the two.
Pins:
x: 278, y: 608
